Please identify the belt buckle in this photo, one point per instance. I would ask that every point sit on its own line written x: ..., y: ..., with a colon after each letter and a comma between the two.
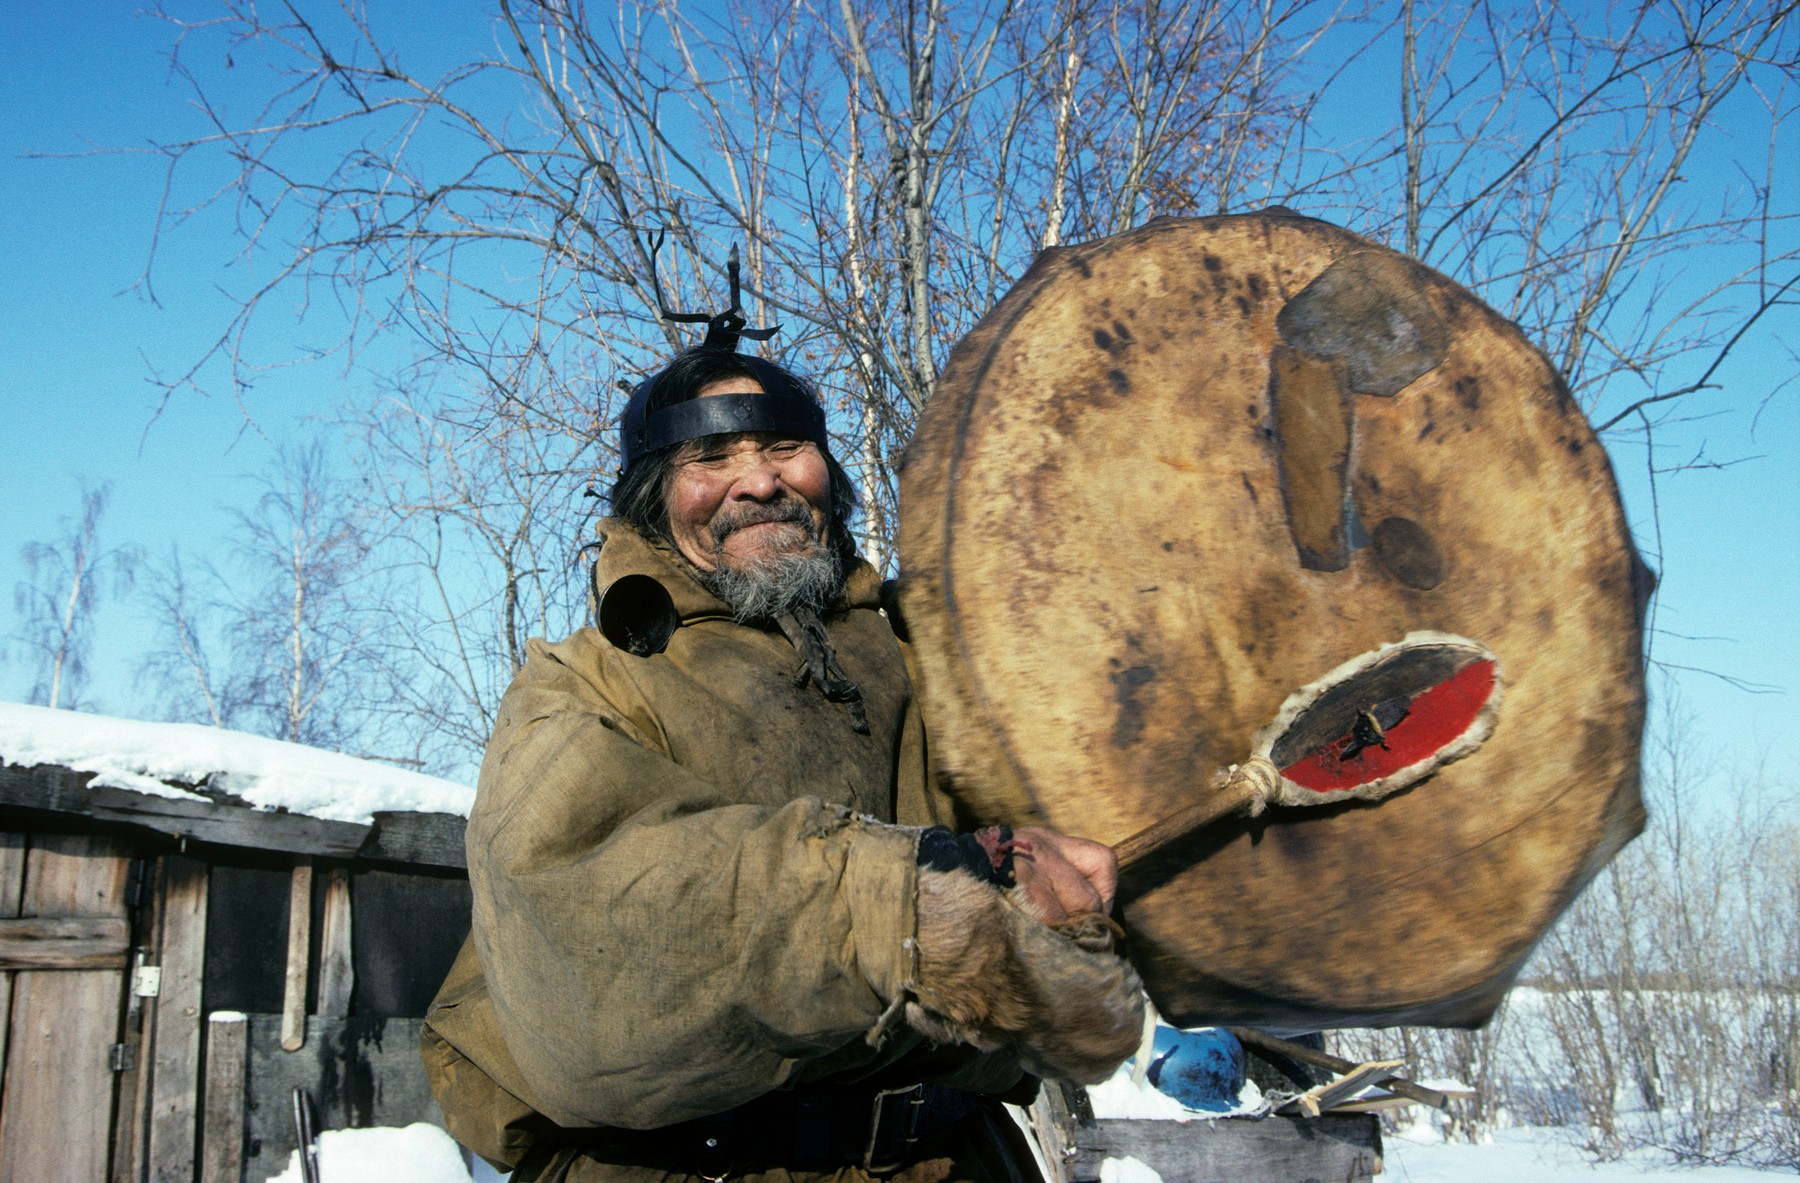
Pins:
x: 716, y: 1145
x: 878, y: 1109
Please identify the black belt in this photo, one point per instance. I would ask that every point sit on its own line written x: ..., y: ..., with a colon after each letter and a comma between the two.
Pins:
x: 806, y: 1129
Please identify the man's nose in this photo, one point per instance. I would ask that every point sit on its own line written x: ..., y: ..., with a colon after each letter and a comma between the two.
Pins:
x: 757, y: 478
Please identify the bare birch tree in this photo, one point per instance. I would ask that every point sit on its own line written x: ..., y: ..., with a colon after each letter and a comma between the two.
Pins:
x: 181, y: 664
x: 488, y: 524
x: 282, y: 638
x: 890, y: 168
x: 1547, y: 161
x: 64, y: 583
x: 1563, y: 164
x: 880, y: 165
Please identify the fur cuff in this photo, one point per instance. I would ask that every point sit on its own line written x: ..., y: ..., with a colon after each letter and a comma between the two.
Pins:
x: 991, y: 975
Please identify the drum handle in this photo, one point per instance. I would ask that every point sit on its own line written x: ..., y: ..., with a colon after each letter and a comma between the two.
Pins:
x: 1247, y: 789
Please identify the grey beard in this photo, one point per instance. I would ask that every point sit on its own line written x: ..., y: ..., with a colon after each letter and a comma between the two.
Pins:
x: 782, y: 580
x: 780, y: 583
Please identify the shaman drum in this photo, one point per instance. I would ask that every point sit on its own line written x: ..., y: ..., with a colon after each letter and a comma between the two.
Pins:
x: 1180, y: 472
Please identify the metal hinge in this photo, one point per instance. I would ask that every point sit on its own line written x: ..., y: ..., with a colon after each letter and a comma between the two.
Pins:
x: 146, y: 981
x: 122, y: 1057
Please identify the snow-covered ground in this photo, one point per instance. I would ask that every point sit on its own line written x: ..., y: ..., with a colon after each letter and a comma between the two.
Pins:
x: 425, y: 1154
x: 1539, y: 1155
x: 1515, y: 1156
x: 265, y: 773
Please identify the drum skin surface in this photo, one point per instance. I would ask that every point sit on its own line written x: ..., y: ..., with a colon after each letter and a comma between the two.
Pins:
x: 1179, y: 472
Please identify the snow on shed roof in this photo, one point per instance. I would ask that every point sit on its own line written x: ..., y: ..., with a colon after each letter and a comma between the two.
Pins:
x: 265, y: 773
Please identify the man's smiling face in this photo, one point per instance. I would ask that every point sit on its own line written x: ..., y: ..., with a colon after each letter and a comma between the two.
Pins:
x: 746, y: 501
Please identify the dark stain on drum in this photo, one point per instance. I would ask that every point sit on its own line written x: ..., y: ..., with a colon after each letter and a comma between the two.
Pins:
x: 1268, y: 608
x: 1116, y: 341
x: 1257, y: 287
x: 1468, y: 391
x: 1407, y: 550
x: 1128, y: 726
x: 1214, y: 270
x: 1064, y: 407
x: 1298, y: 840
x: 1558, y: 392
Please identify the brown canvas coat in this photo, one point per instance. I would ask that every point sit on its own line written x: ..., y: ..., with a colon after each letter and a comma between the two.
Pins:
x: 689, y: 887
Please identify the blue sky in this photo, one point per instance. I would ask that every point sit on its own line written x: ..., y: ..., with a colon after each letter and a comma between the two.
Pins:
x: 76, y: 403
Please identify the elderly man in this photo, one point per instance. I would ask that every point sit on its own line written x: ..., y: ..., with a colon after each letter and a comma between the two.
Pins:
x: 721, y: 929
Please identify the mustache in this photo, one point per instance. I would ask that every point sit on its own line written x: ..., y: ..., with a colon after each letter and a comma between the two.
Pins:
x: 755, y: 514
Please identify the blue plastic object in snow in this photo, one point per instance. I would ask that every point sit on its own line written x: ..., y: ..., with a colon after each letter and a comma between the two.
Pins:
x: 1202, y: 1069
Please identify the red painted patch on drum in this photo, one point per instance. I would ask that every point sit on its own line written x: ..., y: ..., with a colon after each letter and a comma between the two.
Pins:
x: 1435, y: 718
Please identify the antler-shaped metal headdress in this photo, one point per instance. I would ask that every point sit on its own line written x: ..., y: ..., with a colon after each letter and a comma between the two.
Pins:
x: 723, y: 329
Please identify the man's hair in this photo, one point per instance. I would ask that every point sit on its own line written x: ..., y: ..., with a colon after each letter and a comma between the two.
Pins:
x: 640, y: 495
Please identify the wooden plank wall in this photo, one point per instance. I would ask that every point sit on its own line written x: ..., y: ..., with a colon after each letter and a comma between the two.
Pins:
x: 175, y: 1070
x: 131, y: 1121
x: 337, y: 975
x: 12, y: 886
x: 104, y: 1082
x: 56, y: 1113
x: 299, y: 956
x: 227, y: 1056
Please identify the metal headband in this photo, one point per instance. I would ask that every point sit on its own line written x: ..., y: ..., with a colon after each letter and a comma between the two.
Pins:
x: 721, y: 414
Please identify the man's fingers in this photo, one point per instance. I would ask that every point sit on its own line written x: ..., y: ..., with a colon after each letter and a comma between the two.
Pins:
x: 1099, y: 867
x: 1073, y: 874
x: 1056, y: 887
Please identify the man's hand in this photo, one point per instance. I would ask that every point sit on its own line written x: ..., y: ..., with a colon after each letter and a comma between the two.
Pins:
x: 991, y: 975
x: 1063, y: 876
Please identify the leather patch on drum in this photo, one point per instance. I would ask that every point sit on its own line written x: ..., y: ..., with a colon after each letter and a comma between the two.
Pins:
x: 1366, y: 310
x: 1311, y: 413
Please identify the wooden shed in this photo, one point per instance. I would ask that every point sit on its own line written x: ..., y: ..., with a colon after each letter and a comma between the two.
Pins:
x: 181, y: 956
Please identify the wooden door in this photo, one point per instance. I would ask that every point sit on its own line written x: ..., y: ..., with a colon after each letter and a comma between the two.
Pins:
x: 64, y: 937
